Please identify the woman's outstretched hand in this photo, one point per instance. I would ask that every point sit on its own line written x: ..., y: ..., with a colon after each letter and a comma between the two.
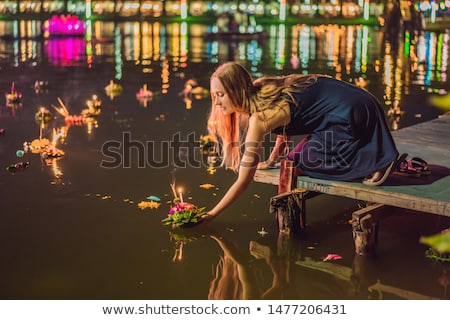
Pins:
x: 205, y: 218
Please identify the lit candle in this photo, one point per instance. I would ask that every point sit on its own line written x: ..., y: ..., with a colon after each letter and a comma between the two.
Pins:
x: 181, y: 195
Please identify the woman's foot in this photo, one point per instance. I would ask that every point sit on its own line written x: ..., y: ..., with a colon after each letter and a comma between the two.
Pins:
x: 380, y: 176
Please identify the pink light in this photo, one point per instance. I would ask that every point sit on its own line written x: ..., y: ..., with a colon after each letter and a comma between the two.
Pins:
x: 64, y: 25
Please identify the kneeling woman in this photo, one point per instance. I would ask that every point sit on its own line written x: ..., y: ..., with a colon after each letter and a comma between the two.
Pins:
x: 347, y: 137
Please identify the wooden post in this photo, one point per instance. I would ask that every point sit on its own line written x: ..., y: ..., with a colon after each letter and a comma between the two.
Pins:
x: 365, y: 229
x: 288, y: 180
x: 289, y: 205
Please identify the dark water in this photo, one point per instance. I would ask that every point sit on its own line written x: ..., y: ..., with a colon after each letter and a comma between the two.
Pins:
x: 71, y: 227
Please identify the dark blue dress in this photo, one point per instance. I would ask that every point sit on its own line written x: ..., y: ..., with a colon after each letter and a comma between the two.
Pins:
x: 347, y: 134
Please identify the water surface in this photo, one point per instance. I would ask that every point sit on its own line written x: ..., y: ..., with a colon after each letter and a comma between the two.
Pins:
x: 72, y: 228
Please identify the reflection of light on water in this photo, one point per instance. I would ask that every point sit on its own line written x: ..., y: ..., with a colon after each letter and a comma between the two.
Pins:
x: 91, y: 124
x: 426, y: 54
x: 305, y: 45
x: 364, y: 49
x: 442, y: 57
x: 388, y: 74
x: 57, y: 172
x: 175, y: 44
x: 118, y: 54
x: 165, y: 76
x: 445, y: 57
x: 333, y: 44
x: 184, y: 44
x: 65, y: 51
x: 254, y: 52
x: 29, y: 28
x: 399, y: 61
x: 349, y: 58
x: 280, y: 58
x: 59, y: 134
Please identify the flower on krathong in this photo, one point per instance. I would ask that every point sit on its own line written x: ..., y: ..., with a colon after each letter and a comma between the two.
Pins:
x: 183, y: 213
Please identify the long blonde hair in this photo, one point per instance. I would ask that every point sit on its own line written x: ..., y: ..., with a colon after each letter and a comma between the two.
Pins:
x: 248, y: 97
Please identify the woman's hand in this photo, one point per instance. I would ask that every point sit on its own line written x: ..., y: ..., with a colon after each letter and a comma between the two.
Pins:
x: 205, y: 218
x: 265, y: 165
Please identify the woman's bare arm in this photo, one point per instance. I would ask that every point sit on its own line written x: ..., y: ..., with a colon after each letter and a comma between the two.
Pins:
x: 247, y: 168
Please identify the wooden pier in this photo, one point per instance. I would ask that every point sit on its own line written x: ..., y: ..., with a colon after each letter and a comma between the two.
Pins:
x: 431, y: 194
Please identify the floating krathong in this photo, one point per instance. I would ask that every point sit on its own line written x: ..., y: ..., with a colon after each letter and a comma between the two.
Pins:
x: 40, y: 86
x: 194, y: 91
x: 144, y: 93
x: 208, y: 144
x: 113, y: 89
x: 50, y: 151
x: 13, y: 96
x: 93, y: 107
x: 68, y: 118
x: 144, y: 96
x: 206, y: 139
x: 95, y: 102
x: 182, y: 213
x: 17, y: 167
x: 43, y: 115
x: 36, y: 146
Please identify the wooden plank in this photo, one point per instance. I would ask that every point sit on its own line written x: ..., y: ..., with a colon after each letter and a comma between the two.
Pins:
x: 348, y: 274
x: 430, y: 141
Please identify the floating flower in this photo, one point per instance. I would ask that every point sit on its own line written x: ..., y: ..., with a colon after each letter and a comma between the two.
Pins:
x: 148, y: 204
x: 332, y: 256
x: 181, y: 207
x: 37, y: 145
x: 207, y: 186
x: 262, y: 232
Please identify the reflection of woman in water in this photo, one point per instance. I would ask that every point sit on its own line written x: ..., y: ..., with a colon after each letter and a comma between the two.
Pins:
x: 236, y: 279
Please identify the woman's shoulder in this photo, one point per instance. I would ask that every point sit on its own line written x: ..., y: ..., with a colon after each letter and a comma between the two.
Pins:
x: 270, y: 119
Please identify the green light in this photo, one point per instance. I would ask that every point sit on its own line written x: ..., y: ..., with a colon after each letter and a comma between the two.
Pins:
x: 88, y: 9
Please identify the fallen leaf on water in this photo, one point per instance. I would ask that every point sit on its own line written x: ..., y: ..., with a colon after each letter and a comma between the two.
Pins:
x: 257, y: 196
x: 332, y: 256
x: 207, y: 186
x: 148, y: 204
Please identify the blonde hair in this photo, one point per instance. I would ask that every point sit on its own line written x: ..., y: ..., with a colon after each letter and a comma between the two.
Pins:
x: 247, y: 97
